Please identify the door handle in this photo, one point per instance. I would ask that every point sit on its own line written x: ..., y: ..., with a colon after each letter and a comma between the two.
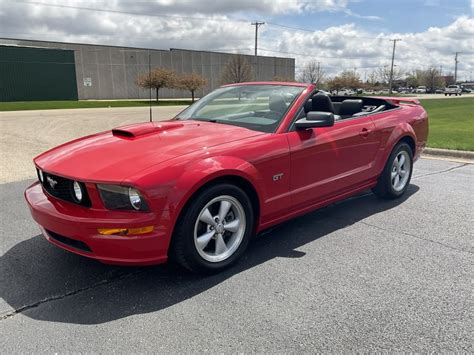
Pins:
x: 364, y: 132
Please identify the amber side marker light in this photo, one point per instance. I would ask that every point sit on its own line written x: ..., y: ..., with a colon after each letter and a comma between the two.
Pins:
x: 125, y: 231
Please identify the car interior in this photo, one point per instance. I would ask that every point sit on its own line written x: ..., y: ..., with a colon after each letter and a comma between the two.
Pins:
x: 346, y: 107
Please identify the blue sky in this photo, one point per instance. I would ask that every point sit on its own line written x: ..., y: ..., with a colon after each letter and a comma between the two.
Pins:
x: 400, y: 16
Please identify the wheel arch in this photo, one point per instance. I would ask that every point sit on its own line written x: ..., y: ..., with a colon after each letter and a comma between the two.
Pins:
x: 408, y: 140
x: 209, y: 172
x: 233, y: 179
x: 402, y: 133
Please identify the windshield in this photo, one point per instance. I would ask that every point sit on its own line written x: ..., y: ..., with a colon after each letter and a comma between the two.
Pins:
x: 256, y: 107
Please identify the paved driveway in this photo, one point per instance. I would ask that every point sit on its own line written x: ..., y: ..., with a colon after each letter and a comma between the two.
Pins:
x: 361, y: 275
x: 25, y: 134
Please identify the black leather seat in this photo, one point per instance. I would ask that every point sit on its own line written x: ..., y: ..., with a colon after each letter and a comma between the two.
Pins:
x: 321, y: 102
x: 350, y: 107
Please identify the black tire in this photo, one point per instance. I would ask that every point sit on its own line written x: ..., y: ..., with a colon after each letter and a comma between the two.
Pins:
x: 385, y: 188
x: 183, y: 248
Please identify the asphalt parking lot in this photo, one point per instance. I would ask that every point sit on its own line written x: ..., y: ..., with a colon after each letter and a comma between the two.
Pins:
x: 362, y: 275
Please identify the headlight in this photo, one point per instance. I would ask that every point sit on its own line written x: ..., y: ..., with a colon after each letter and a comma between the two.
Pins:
x: 77, y: 191
x: 116, y: 197
x: 40, y: 175
x: 135, y: 198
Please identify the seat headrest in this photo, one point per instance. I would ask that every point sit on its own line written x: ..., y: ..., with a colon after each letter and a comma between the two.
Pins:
x: 308, y: 105
x: 321, y: 102
x: 350, y: 107
x: 277, y: 103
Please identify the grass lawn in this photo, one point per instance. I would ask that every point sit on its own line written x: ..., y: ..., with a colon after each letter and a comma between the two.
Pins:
x: 48, y: 105
x: 451, y: 123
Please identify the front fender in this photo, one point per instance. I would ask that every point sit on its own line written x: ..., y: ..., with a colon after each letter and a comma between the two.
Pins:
x: 199, y: 173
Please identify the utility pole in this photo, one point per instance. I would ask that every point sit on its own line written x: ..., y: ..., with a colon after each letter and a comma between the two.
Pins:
x: 395, y: 40
x: 456, y: 66
x: 319, y: 73
x: 257, y: 24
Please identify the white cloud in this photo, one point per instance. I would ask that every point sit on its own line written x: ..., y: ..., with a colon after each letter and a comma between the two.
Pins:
x: 337, y: 48
x: 349, y: 47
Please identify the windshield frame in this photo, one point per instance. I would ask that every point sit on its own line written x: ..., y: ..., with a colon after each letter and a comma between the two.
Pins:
x: 279, y: 122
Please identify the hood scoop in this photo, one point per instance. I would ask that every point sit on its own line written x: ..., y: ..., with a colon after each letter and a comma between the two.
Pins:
x: 141, y: 129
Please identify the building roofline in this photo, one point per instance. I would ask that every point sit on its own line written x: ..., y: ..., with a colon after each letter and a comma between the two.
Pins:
x: 124, y: 47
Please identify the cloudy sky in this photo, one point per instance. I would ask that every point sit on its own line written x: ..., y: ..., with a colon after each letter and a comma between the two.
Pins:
x: 340, y: 34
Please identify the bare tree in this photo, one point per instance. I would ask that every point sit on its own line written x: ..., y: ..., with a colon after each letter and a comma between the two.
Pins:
x: 350, y: 79
x: 312, y: 73
x: 413, y: 79
x: 335, y: 84
x: 190, y: 82
x: 373, y: 79
x: 449, y: 79
x: 237, y: 70
x: 432, y: 79
x: 383, y: 74
x: 346, y: 79
x: 157, y: 79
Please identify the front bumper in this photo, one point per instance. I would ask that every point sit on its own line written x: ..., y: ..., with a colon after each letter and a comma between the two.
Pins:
x: 74, y: 228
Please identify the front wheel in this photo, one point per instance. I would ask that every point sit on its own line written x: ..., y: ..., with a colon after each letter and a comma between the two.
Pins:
x: 396, y: 176
x: 214, y: 229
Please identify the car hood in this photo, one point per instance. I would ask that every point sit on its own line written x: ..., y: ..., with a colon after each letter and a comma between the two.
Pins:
x: 114, y: 155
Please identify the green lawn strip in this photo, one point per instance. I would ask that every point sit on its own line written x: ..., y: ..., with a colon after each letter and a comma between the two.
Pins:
x: 451, y: 123
x: 48, y: 105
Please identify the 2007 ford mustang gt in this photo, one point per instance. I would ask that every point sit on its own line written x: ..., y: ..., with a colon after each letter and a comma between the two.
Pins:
x: 241, y: 159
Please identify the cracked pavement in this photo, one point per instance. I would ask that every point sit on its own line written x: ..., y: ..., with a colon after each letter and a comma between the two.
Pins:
x: 361, y: 275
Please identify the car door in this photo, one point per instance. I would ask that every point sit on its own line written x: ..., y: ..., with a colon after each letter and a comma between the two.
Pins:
x: 328, y: 161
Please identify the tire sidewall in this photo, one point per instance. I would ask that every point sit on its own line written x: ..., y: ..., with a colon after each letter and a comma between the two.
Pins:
x: 388, y: 181
x: 187, y: 224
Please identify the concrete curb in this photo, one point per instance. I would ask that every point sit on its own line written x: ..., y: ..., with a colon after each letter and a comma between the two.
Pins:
x: 448, y: 153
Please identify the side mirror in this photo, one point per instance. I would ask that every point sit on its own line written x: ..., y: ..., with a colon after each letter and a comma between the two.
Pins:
x: 315, y: 119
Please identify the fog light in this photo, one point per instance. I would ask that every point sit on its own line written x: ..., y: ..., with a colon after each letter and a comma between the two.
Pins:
x: 77, y: 191
x: 126, y: 231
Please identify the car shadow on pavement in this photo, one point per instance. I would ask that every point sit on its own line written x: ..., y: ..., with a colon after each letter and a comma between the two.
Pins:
x: 46, y: 283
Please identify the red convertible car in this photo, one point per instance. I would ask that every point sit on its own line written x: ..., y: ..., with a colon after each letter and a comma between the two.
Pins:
x: 241, y: 159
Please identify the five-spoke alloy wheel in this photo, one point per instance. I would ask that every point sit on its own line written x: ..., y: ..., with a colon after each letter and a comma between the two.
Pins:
x: 395, y: 178
x: 213, y: 229
x: 219, y: 229
x: 401, y: 168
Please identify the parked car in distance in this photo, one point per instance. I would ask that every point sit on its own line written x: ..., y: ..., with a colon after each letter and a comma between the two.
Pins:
x: 466, y: 90
x: 197, y: 187
x: 453, y: 90
x: 421, y: 90
x: 439, y: 91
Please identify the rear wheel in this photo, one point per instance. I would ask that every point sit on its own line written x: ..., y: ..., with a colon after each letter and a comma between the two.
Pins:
x: 214, y: 230
x: 397, y: 173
